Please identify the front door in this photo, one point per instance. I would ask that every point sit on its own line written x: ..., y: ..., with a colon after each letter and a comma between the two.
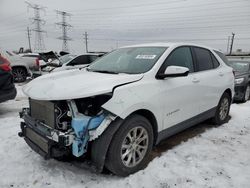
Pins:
x: 178, y: 94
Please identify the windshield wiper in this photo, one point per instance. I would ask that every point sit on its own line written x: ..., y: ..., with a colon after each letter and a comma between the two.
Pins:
x: 102, y: 71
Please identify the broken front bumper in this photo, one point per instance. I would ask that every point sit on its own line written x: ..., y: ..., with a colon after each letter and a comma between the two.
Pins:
x: 43, y: 139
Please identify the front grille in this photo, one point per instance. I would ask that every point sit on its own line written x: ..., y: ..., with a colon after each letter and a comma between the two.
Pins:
x: 37, y: 139
x: 43, y: 111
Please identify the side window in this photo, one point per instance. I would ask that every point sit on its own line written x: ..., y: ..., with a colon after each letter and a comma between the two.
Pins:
x: 80, y: 60
x: 215, y: 61
x: 180, y: 57
x: 92, y: 58
x: 203, y: 58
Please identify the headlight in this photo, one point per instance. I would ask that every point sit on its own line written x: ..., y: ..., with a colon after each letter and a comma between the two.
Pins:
x: 239, y: 80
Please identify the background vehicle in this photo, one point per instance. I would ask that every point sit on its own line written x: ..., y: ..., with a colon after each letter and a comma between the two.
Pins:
x: 78, y: 62
x: 7, y: 87
x: 68, y: 62
x: 242, y: 79
x: 126, y: 102
x: 22, y: 67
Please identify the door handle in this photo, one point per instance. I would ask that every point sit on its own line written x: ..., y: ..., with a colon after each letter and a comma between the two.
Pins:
x: 221, y: 74
x: 195, y: 80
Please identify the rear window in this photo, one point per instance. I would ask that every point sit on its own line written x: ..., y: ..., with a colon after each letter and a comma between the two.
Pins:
x: 204, y: 59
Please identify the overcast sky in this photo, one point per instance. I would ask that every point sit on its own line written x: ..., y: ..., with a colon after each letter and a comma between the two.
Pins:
x: 114, y: 23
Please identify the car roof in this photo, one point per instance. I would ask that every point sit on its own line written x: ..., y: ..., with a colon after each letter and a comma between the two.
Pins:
x: 169, y: 44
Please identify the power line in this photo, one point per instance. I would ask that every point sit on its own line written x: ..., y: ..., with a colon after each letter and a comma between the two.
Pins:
x: 39, y: 42
x: 65, y: 26
x: 151, y: 5
x: 201, y: 7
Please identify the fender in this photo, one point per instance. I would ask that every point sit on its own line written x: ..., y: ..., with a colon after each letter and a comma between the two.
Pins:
x: 99, y: 147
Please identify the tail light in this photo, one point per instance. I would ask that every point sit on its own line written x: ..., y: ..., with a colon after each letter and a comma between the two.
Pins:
x: 37, y: 62
x: 234, y: 73
x: 5, y: 67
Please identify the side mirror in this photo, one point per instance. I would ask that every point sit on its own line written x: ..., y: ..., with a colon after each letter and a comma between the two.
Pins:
x: 174, y: 71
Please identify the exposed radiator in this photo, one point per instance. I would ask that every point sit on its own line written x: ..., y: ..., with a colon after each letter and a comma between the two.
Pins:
x: 43, y: 111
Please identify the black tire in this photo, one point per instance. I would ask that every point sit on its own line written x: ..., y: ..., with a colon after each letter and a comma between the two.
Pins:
x: 218, y: 118
x: 246, y: 94
x: 19, y: 74
x: 114, y: 161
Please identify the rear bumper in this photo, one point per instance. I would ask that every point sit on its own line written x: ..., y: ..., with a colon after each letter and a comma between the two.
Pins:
x: 8, y: 95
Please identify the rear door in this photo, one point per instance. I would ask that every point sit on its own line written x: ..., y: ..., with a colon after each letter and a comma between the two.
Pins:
x: 209, y: 77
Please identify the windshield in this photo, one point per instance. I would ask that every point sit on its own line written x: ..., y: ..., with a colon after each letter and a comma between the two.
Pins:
x: 66, y: 58
x: 239, y: 66
x: 132, y: 60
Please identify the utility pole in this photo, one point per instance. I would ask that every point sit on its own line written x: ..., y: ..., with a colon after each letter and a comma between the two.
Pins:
x: 29, y: 34
x: 232, y: 43
x: 38, y: 22
x: 228, y: 43
x: 65, y: 27
x: 86, y: 41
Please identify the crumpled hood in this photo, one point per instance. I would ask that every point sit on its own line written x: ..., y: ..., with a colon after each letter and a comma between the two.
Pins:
x: 73, y: 84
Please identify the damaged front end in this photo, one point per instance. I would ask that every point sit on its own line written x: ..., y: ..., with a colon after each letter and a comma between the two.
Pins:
x: 58, y: 128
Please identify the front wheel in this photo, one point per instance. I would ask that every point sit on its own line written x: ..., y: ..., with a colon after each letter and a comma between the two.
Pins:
x: 222, y: 111
x: 130, y: 147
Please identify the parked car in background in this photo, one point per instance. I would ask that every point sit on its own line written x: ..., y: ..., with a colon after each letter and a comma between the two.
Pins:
x: 126, y: 102
x: 242, y: 79
x: 80, y: 61
x: 22, y: 65
x: 7, y: 87
x: 67, y: 62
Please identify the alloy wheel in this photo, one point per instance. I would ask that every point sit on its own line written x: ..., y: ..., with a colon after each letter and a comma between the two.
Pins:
x: 134, y: 146
x: 224, y: 108
x: 19, y: 75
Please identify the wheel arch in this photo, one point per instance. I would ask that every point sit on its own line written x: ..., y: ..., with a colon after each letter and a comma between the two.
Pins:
x: 228, y: 91
x: 151, y: 118
x: 20, y: 66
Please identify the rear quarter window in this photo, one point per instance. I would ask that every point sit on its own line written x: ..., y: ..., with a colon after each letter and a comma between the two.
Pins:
x: 215, y: 61
x: 222, y: 56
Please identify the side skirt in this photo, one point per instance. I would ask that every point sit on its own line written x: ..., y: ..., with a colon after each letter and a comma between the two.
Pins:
x: 185, y: 124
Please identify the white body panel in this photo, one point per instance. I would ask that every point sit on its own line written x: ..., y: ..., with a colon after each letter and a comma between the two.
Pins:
x: 75, y: 84
x: 65, y: 67
x: 171, y: 100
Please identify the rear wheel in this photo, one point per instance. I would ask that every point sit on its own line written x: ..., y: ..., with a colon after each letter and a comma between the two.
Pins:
x: 222, y: 111
x: 246, y: 94
x: 130, y: 148
x: 19, y: 74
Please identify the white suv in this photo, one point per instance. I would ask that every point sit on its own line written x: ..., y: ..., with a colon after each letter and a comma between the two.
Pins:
x: 126, y: 102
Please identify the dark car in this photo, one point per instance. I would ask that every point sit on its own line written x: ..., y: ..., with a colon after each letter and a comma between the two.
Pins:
x: 242, y: 79
x: 7, y: 87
